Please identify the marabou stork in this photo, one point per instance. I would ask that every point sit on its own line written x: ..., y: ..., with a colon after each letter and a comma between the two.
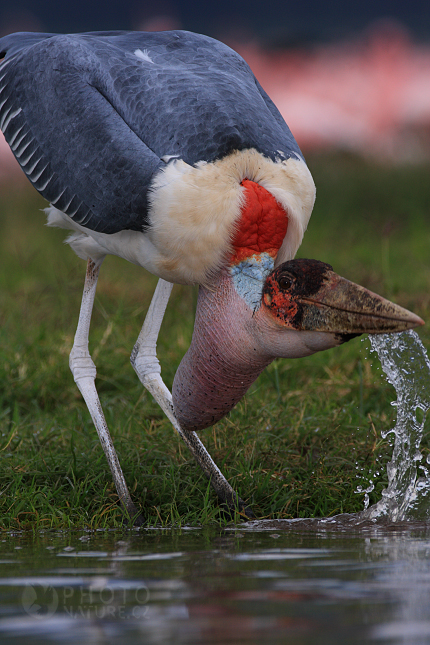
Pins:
x: 163, y: 149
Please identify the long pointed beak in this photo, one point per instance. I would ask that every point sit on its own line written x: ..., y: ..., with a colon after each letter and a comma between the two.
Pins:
x: 341, y: 306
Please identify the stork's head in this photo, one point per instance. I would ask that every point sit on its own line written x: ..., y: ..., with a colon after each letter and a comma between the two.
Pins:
x: 307, y: 307
x: 257, y: 312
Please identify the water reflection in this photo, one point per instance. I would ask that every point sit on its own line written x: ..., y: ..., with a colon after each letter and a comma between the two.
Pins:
x: 303, y: 585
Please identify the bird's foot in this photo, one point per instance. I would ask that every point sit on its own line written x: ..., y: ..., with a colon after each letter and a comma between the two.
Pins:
x: 132, y: 516
x: 233, y: 506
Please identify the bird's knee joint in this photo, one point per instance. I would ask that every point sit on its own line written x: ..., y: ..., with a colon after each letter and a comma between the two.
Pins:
x: 81, y: 364
x: 145, y: 365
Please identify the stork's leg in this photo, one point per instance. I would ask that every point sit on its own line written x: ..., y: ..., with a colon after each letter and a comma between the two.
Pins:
x: 84, y: 373
x: 147, y: 366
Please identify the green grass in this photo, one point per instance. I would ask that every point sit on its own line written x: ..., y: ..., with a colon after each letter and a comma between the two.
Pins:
x: 306, y: 434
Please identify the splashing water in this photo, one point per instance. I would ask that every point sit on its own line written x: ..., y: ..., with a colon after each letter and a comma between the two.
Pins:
x: 407, y: 496
x: 407, y: 366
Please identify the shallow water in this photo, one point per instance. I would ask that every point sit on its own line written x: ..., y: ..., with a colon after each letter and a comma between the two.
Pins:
x: 279, y: 582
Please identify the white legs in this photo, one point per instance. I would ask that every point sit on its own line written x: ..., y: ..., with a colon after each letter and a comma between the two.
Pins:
x: 145, y: 362
x: 147, y: 366
x: 84, y: 373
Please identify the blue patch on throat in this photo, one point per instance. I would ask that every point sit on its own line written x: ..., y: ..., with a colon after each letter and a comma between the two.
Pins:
x: 249, y: 276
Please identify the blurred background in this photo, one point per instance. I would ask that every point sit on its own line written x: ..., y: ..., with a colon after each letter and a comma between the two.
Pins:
x: 345, y: 76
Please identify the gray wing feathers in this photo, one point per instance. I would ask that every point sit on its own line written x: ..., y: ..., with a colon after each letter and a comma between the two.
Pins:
x: 91, y: 116
x: 14, y: 43
x: 71, y: 142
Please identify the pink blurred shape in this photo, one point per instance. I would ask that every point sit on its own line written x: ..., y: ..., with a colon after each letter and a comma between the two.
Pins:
x: 370, y: 96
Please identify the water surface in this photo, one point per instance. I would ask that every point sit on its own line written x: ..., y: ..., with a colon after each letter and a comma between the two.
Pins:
x: 279, y: 582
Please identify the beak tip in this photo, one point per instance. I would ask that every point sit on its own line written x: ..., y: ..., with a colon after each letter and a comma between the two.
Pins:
x: 418, y: 322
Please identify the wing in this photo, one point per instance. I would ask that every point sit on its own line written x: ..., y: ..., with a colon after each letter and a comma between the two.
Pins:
x: 70, y: 141
x: 91, y: 118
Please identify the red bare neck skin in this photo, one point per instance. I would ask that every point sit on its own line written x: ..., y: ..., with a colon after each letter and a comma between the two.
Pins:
x: 222, y: 361
x: 262, y: 225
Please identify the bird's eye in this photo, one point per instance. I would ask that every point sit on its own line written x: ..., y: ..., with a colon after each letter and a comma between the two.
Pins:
x: 285, y: 282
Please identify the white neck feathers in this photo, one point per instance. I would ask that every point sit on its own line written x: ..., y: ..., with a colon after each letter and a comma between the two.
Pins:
x: 193, y: 210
